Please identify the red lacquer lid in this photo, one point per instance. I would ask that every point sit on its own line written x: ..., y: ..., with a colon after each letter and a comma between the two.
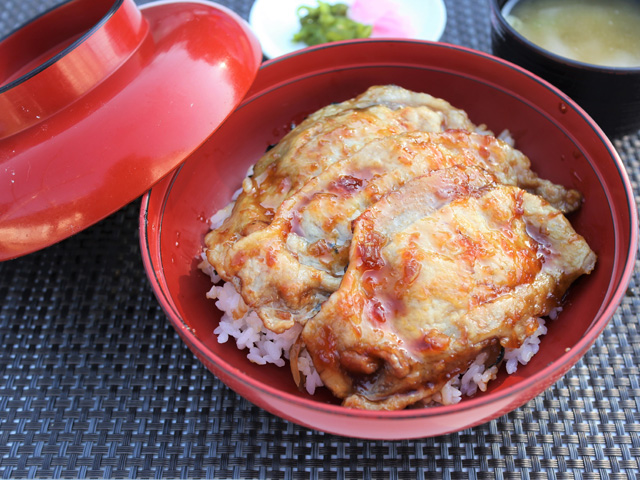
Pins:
x: 100, y: 99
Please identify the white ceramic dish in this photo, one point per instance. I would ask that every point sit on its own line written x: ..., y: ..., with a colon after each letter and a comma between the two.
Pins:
x: 275, y: 21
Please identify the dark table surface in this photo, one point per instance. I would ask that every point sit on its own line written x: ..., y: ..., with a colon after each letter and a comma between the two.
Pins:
x: 94, y: 381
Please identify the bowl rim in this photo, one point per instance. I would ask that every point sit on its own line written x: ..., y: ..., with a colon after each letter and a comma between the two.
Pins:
x: 497, y: 16
x: 562, y: 364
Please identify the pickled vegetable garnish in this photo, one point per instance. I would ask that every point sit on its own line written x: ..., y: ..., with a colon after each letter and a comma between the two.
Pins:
x: 328, y: 23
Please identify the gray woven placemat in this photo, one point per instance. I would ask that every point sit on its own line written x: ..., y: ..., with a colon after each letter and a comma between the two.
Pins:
x: 94, y: 382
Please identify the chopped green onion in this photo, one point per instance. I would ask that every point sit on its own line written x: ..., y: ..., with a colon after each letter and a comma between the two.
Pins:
x: 328, y: 23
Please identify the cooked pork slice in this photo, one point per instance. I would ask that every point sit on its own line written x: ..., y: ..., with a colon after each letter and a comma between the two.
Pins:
x: 441, y: 270
x: 285, y: 270
x: 324, y: 138
x: 395, y: 97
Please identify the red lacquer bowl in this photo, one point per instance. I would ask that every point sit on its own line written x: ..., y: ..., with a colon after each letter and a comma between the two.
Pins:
x: 563, y: 143
x: 100, y: 99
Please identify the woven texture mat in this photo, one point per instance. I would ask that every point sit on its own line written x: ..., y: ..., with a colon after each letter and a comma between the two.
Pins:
x: 94, y: 382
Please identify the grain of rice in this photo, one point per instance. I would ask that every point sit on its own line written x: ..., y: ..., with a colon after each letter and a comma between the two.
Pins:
x: 528, y: 349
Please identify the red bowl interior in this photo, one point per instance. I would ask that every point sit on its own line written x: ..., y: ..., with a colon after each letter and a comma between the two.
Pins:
x: 562, y: 142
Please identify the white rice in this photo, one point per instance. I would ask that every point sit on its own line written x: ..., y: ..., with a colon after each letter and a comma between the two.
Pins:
x: 265, y: 346
x: 247, y: 329
x: 478, y: 376
x: 504, y: 135
x: 528, y: 349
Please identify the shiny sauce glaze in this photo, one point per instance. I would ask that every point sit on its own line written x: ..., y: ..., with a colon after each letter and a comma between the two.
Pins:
x: 387, y: 286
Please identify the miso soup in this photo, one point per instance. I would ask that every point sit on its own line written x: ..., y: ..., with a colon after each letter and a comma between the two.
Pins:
x: 601, y: 32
